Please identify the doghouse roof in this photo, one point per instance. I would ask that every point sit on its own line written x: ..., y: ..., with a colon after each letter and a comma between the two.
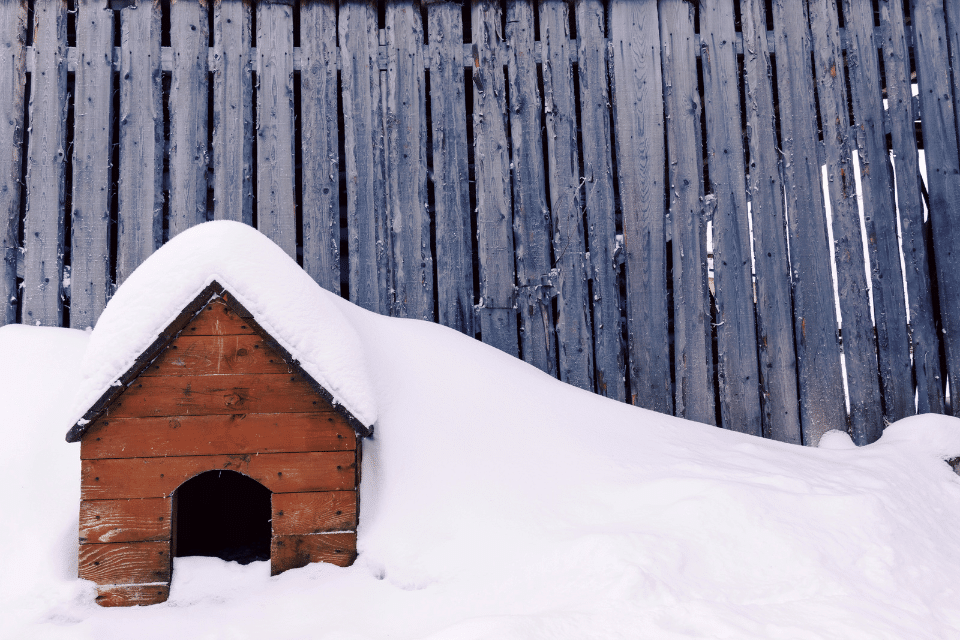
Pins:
x: 259, y: 281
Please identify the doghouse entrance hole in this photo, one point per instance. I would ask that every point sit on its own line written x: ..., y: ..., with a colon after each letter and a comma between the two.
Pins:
x: 223, y: 514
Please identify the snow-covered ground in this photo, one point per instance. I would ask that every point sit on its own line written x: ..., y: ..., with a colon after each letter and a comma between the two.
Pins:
x: 499, y: 503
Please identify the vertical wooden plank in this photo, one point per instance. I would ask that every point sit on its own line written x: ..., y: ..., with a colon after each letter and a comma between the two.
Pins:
x: 140, y: 191
x: 189, y: 34
x: 952, y: 8
x: 599, y: 198
x: 733, y: 282
x: 497, y: 309
x: 43, y: 225
x: 92, y: 140
x: 531, y: 215
x: 638, y: 118
x: 859, y: 346
x: 574, y: 335
x: 276, y: 214
x: 815, y: 320
x: 450, y: 168
x: 943, y: 171
x: 363, y: 148
x: 923, y: 332
x: 777, y: 357
x: 13, y: 67
x: 406, y: 111
x: 232, y: 112
x: 693, y: 352
x: 320, y: 146
x: 880, y: 213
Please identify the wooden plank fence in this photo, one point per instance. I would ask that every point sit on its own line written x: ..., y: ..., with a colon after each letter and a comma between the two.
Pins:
x: 743, y: 212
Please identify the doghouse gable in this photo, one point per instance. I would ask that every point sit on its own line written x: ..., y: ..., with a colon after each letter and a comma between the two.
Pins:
x: 214, y: 392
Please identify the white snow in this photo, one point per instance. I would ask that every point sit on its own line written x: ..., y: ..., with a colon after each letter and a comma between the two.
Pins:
x: 499, y: 503
x: 281, y: 296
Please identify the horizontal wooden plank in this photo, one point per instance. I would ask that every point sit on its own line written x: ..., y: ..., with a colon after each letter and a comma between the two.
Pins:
x: 125, y: 562
x: 114, y: 478
x: 212, y: 435
x: 132, y: 595
x: 124, y: 520
x: 217, y: 319
x: 217, y: 395
x: 217, y: 355
x: 293, y: 552
x: 305, y: 513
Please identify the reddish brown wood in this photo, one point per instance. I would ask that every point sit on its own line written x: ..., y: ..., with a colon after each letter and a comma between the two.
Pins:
x: 110, y: 479
x: 217, y: 395
x: 217, y: 319
x: 215, y: 355
x: 305, y: 513
x: 292, y: 552
x: 125, y: 562
x: 211, y: 435
x: 132, y: 595
x: 147, y: 519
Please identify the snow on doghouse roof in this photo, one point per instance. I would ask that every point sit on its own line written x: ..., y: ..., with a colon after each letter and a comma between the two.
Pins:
x: 299, y: 315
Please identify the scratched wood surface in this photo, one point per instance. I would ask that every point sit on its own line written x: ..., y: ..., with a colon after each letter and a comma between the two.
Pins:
x: 117, y: 478
x: 13, y: 67
x: 315, y: 512
x: 292, y: 552
x: 92, y: 146
x: 210, y: 435
x: 125, y: 562
x: 115, y: 595
x: 141, y: 520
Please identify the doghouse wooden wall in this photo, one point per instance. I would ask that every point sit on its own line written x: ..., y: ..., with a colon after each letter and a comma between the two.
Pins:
x: 218, y: 397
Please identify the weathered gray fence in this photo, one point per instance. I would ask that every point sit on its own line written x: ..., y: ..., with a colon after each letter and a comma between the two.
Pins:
x: 628, y: 194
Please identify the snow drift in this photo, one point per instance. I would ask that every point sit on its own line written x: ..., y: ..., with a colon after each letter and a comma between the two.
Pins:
x: 497, y: 502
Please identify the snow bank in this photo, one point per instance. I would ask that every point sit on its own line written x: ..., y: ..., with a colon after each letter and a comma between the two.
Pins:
x: 282, y: 297
x: 499, y: 503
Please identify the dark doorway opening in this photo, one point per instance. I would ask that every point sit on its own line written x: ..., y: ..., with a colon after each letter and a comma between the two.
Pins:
x: 223, y: 514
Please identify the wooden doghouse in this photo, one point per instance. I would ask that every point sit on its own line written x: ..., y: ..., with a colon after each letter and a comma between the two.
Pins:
x: 213, y: 393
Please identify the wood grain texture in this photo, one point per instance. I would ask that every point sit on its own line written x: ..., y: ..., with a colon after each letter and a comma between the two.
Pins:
x: 880, y: 212
x: 367, y: 239
x: 216, y: 395
x: 212, y: 435
x: 859, y: 345
x: 815, y: 320
x: 217, y: 355
x: 406, y: 133
x: 318, y: 512
x: 13, y: 66
x: 143, y: 520
x: 924, y: 340
x: 777, y: 356
x: 599, y: 199
x: 531, y: 216
x: 733, y: 282
x: 92, y: 150
x: 450, y: 168
x: 943, y: 170
x: 140, y: 190
x: 321, y: 156
x: 641, y: 154
x: 497, y: 308
x: 232, y: 124
x: 189, y: 34
x: 125, y: 562
x: 693, y: 354
x: 46, y: 157
x: 293, y: 552
x: 276, y: 203
x: 574, y: 332
x: 218, y: 319
x: 132, y: 595
x: 113, y: 479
